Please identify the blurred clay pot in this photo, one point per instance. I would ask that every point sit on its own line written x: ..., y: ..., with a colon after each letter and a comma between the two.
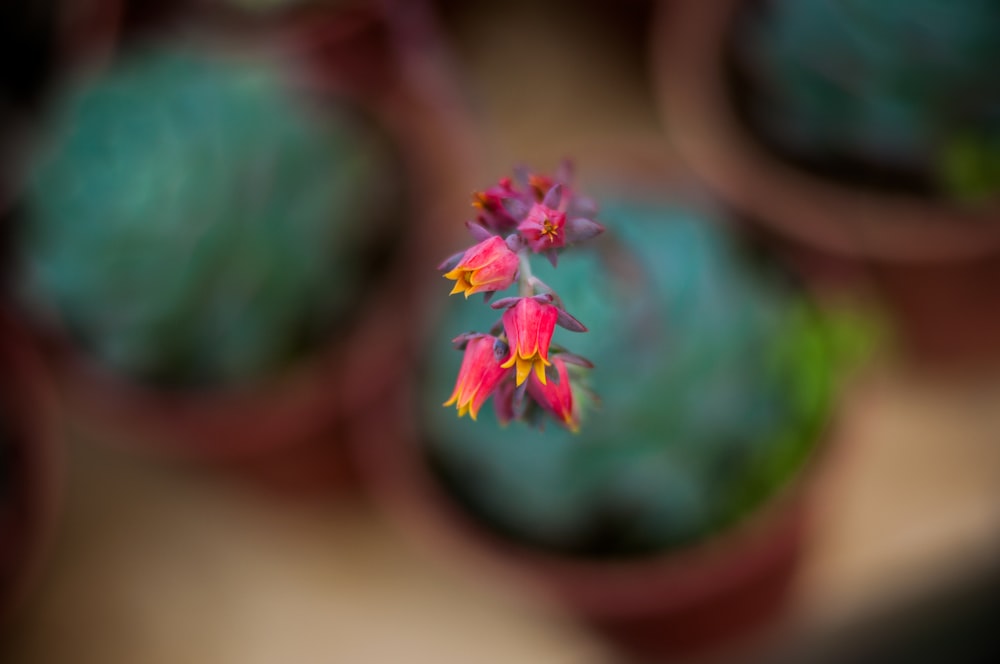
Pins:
x: 714, y: 595
x: 710, y: 596
x: 30, y: 464
x: 935, y: 263
x: 285, y: 430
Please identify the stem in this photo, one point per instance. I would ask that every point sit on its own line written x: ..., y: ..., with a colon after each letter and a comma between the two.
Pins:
x: 525, y: 279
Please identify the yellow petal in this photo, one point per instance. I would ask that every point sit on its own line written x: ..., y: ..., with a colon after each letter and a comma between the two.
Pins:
x: 540, y: 371
x: 462, y: 283
x: 473, y: 412
x: 523, y: 369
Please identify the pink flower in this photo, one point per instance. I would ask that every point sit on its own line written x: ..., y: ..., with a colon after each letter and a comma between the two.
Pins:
x: 543, y: 228
x: 556, y: 396
x: 487, y: 266
x: 529, y: 325
x: 478, y: 376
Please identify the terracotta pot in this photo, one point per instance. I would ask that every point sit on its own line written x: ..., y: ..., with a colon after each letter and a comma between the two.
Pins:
x: 934, y: 261
x: 30, y: 464
x: 706, y: 596
x: 285, y: 428
x: 709, y: 596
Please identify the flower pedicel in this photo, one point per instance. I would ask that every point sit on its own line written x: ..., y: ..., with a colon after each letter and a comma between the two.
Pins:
x: 517, y: 218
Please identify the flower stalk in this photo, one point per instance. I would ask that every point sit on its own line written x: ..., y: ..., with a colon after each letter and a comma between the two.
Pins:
x: 525, y: 285
x: 516, y: 363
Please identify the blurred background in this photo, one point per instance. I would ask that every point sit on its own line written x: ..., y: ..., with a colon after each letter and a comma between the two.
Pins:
x: 220, y: 220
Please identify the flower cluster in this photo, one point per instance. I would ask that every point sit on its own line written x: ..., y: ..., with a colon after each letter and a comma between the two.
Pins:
x: 516, y: 362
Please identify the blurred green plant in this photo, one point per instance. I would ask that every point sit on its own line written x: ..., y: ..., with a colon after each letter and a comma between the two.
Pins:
x: 192, y: 222
x: 717, y: 381
x: 970, y: 167
x: 893, y: 82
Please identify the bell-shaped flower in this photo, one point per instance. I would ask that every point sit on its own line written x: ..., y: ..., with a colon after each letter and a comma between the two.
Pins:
x: 528, y: 325
x: 544, y: 228
x: 478, y: 376
x: 487, y: 266
x: 556, y: 396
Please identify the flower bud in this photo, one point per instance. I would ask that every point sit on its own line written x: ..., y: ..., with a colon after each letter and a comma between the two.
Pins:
x: 487, y: 266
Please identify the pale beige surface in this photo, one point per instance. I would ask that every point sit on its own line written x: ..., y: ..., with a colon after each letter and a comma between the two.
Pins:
x: 158, y: 564
x: 913, y: 497
x: 163, y: 564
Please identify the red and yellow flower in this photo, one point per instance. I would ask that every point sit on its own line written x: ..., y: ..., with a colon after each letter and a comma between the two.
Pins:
x: 487, y: 266
x: 529, y: 325
x: 556, y: 396
x: 478, y: 376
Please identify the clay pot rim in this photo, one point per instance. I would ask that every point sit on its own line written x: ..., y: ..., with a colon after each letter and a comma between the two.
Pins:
x: 238, y: 421
x: 35, y: 412
x: 688, y: 60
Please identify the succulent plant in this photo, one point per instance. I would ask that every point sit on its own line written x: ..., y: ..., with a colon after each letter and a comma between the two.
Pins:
x: 892, y: 83
x: 193, y: 222
x: 716, y: 378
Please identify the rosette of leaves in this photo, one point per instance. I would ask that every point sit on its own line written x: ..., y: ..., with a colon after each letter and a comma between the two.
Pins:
x: 716, y: 381
x: 899, y: 86
x: 192, y: 222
